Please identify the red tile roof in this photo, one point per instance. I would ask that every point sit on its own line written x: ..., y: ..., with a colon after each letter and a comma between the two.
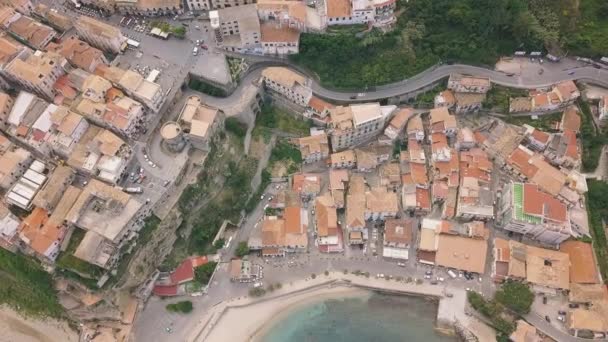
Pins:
x: 165, y: 291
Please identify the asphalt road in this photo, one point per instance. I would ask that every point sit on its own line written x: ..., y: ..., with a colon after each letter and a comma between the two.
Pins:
x: 554, y: 73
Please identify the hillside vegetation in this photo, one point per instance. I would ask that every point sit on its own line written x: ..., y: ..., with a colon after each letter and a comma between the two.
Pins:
x: 468, y: 31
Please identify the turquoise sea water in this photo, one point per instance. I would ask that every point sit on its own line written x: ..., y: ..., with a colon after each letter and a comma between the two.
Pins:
x: 376, y: 318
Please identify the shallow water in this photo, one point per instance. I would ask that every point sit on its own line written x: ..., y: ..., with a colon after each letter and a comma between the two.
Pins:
x: 377, y: 317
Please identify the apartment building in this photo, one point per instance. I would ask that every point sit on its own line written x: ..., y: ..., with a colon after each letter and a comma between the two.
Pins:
x: 37, y: 72
x: 469, y: 84
x: 134, y: 85
x: 414, y: 129
x: 108, y: 215
x: 24, y: 7
x: 443, y: 122
x: 445, y: 99
x: 381, y: 203
x: 79, y: 54
x: 199, y: 5
x: 397, y: 123
x: 469, y: 92
x: 237, y: 29
x: 329, y: 235
x: 53, y: 18
x: 9, y: 50
x: 200, y: 122
x: 100, y: 35
x: 279, y: 40
x: 288, y: 83
x: 397, y: 240
x: 67, y: 128
x: 285, y: 13
x: 475, y: 198
x: 150, y: 8
x: 338, y: 180
x: 537, y: 139
x: 563, y: 150
x: 349, y: 12
x: 314, y: 148
x: 108, y: 6
x: 14, y: 161
x: 100, y: 153
x: 31, y: 32
x: 546, y: 270
x: 527, y: 210
x: 355, y: 124
x: 355, y: 210
x: 346, y: 159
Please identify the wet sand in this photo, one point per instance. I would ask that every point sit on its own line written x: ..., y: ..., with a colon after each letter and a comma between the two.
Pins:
x: 14, y: 327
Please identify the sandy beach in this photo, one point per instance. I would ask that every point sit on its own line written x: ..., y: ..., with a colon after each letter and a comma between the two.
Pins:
x: 14, y: 327
x: 254, y: 321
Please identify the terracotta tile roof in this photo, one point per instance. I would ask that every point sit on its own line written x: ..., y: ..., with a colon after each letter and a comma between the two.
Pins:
x: 571, y: 119
x: 337, y: 177
x: 461, y: 253
x: 567, y: 90
x: 540, y: 136
x: 273, y: 33
x: 273, y: 231
x: 318, y: 104
x: 338, y: 8
x: 542, y: 204
x: 423, y: 199
x: 401, y: 117
x: 440, y: 190
x: 520, y: 158
x: 326, y: 216
x: 39, y: 235
x: 583, y: 268
x: 306, y: 183
x: 398, y: 230
x: 183, y: 273
x: 571, y: 145
x: 165, y: 291
x: 418, y: 173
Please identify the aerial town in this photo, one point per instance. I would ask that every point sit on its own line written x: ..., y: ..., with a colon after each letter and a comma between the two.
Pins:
x: 151, y: 165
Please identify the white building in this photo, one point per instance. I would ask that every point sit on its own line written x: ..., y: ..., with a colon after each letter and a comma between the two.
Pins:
x: 288, y: 83
x: 357, y: 123
x: 237, y: 29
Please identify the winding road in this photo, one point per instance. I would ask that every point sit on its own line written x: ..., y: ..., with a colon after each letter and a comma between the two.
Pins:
x: 555, y: 73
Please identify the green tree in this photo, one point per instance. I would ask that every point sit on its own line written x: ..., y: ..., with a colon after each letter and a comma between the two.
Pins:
x: 202, y: 274
x: 242, y: 249
x: 181, y: 307
x: 219, y: 243
x: 178, y: 31
x: 515, y: 295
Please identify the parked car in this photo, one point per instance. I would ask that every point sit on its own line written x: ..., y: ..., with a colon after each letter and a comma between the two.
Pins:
x: 573, y: 306
x: 547, y: 319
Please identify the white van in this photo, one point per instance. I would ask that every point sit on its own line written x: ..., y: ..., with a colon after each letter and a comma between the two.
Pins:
x: 195, y: 51
x: 452, y: 274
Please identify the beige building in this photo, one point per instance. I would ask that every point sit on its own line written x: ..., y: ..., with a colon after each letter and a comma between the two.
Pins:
x: 200, y: 122
x: 346, y: 159
x: 355, y: 124
x: 326, y: 225
x: 79, y: 54
x: 13, y: 162
x: 288, y: 83
x: 101, y: 35
x: 398, y: 122
x: 149, y: 7
x: 134, y: 85
x: 9, y: 50
x: 314, y: 148
x: 237, y: 29
x: 381, y: 203
x: 108, y: 215
x: 548, y: 271
x: 37, y: 72
x: 22, y: 6
x: 33, y: 33
x: 58, y: 21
